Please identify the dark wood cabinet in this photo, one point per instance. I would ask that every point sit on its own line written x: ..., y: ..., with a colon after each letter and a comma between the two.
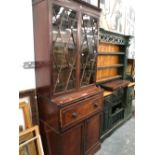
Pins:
x: 72, y: 122
x: 65, y: 41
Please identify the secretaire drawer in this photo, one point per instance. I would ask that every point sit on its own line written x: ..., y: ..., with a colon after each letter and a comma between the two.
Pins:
x: 80, y: 110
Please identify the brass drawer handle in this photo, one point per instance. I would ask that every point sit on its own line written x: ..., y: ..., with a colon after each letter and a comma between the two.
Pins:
x: 74, y: 115
x: 95, y: 105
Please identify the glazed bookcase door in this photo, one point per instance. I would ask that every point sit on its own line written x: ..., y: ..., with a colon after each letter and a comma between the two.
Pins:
x: 88, y: 49
x: 64, y: 32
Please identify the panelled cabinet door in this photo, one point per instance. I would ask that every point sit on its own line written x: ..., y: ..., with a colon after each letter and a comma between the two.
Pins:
x: 72, y: 141
x: 92, y: 132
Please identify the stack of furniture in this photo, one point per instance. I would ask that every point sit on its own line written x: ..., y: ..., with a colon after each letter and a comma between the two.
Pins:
x: 70, y: 105
x: 111, y: 75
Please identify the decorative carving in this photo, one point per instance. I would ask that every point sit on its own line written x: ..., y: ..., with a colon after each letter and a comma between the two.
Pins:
x: 110, y: 37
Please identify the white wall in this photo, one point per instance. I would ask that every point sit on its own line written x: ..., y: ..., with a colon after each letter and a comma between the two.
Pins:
x: 118, y: 16
x: 27, y: 76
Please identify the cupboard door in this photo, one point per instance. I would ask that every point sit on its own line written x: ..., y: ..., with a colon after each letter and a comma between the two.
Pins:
x: 93, y: 126
x: 72, y: 141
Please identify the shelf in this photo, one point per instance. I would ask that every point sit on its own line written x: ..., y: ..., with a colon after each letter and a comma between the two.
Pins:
x: 110, y: 53
x: 110, y: 42
x: 111, y: 66
x: 107, y: 93
x: 116, y: 84
x: 108, y: 79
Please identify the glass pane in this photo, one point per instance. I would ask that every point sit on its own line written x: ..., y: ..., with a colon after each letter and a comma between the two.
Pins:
x: 64, y: 48
x: 89, y: 33
x: 92, y: 2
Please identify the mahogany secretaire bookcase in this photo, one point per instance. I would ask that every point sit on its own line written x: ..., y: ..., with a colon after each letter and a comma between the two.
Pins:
x: 70, y: 105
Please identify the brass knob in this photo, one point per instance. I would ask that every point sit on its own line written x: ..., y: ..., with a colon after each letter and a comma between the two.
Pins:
x: 74, y: 114
x: 95, y: 105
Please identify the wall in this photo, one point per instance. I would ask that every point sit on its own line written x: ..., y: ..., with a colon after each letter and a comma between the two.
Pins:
x: 27, y: 76
x: 118, y: 16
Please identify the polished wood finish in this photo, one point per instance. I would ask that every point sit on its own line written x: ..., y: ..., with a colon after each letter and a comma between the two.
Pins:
x: 58, y: 121
x: 92, y: 133
x: 107, y: 92
x: 81, y: 110
x: 71, y: 141
x: 42, y: 48
x: 64, y: 100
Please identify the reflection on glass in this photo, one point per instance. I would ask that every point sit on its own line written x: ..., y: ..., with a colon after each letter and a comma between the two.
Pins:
x: 92, y: 2
x: 88, y: 49
x: 64, y: 33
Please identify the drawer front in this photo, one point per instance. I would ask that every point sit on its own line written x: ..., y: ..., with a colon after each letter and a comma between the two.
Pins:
x: 80, y: 110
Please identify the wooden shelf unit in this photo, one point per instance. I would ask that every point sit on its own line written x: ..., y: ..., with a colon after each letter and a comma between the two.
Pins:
x: 111, y: 56
x: 111, y: 75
